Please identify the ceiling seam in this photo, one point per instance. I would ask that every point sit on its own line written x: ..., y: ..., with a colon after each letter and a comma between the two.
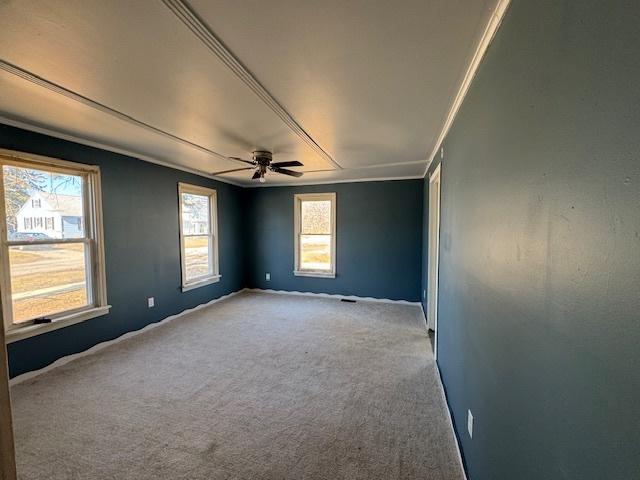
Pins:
x: 70, y: 94
x: 187, y: 15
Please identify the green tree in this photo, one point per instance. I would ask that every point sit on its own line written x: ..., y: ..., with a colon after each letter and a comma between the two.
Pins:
x: 19, y: 184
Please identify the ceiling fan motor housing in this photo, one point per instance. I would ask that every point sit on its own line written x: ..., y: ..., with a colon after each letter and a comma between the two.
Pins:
x: 262, y: 157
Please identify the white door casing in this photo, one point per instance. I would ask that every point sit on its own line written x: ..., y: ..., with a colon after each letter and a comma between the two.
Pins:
x: 433, y: 257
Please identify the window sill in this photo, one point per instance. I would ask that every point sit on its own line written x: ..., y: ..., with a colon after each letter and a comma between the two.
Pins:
x: 20, y: 333
x: 201, y: 283
x: 304, y: 273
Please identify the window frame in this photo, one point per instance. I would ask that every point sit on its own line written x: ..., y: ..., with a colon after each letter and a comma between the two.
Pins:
x: 93, y: 241
x: 298, y: 198
x: 214, y: 276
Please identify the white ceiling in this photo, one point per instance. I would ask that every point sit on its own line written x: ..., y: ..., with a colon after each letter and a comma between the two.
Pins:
x: 353, y: 89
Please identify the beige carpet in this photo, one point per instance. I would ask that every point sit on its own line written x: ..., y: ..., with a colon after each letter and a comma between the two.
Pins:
x: 259, y: 386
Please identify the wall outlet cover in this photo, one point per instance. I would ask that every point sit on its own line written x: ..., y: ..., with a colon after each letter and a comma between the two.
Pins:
x: 151, y: 302
x: 268, y: 276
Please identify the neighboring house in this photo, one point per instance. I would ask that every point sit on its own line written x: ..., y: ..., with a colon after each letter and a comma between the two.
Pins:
x: 194, y: 223
x: 194, y: 226
x: 58, y: 216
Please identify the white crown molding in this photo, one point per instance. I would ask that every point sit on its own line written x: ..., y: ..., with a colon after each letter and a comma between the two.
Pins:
x: 70, y: 94
x: 200, y: 29
x: 331, y: 182
x: 488, y: 35
x: 332, y: 295
x: 33, y: 127
x: 100, y: 346
x: 383, y: 165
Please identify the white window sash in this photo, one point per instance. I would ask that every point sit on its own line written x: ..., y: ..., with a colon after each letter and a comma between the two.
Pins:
x: 213, y: 275
x: 92, y: 239
x: 299, y: 198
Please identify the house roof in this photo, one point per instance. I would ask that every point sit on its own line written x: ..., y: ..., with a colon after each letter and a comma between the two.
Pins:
x: 66, y: 205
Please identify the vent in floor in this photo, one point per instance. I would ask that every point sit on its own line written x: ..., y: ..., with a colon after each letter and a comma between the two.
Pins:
x: 348, y: 300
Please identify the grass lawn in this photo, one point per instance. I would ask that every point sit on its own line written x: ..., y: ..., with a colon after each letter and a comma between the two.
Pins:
x: 29, y: 308
x: 35, y: 268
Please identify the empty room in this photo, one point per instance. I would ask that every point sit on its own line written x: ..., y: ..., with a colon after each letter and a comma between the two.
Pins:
x: 322, y: 240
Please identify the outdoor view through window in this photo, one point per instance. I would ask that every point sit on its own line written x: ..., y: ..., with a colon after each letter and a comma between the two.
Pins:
x: 46, y: 242
x: 315, y: 235
x: 196, y: 231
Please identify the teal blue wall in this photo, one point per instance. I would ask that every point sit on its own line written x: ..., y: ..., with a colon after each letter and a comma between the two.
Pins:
x: 539, y: 308
x: 378, y: 244
x: 378, y: 238
x: 140, y: 208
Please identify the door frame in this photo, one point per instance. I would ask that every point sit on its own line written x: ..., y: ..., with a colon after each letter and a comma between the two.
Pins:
x: 7, y: 449
x: 434, y: 254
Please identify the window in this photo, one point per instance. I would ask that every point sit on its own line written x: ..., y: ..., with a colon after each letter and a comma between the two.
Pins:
x: 53, y: 277
x: 198, y: 236
x: 35, y: 203
x: 315, y: 235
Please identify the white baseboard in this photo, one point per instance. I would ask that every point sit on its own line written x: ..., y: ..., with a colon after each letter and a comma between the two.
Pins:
x: 96, y: 348
x: 333, y: 295
x: 453, y: 432
x: 424, y: 316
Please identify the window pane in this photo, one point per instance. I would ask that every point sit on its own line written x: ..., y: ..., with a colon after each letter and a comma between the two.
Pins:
x: 47, y: 279
x: 195, y: 214
x: 315, y: 252
x: 196, y: 257
x: 42, y: 204
x: 316, y: 217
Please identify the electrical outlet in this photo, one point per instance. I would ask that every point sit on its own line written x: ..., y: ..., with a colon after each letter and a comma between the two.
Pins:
x: 424, y: 294
x: 268, y: 277
x: 151, y: 302
x: 470, y: 423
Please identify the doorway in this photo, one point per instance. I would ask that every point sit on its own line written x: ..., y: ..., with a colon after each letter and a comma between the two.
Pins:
x: 433, y: 258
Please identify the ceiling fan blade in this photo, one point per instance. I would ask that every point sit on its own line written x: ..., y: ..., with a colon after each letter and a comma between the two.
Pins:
x: 284, y: 171
x: 241, y: 160
x: 256, y: 175
x: 293, y: 163
x: 233, y: 170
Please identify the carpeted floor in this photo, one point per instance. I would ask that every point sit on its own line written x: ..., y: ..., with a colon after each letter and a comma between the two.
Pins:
x: 259, y: 386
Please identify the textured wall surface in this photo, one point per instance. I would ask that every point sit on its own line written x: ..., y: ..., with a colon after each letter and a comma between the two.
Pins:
x: 140, y: 208
x: 539, y: 309
x: 378, y: 238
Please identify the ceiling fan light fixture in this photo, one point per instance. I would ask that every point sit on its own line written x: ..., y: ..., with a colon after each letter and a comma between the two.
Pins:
x: 261, y: 164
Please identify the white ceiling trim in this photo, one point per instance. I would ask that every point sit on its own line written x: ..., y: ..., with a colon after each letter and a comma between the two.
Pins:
x: 42, y: 82
x: 383, y: 165
x: 483, y: 45
x: 330, y: 182
x: 32, y: 127
x: 201, y: 30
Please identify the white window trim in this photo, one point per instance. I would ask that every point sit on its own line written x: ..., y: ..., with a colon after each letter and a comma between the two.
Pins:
x: 95, y: 239
x: 297, y: 202
x: 213, y: 222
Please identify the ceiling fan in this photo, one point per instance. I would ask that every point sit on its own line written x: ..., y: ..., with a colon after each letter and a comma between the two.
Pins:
x: 262, y: 163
